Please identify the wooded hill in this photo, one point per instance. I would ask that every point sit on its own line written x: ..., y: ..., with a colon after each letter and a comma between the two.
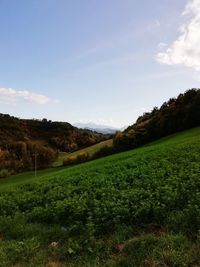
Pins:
x: 20, y: 139
x: 177, y: 114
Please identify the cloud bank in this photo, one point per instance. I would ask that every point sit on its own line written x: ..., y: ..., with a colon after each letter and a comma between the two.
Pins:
x: 185, y: 50
x: 12, y: 95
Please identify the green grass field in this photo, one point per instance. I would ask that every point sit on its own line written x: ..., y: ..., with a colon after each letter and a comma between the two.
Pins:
x: 91, y: 150
x: 136, y: 208
x: 25, y: 177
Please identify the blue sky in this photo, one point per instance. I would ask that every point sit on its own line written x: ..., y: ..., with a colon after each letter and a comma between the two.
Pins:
x: 102, y: 61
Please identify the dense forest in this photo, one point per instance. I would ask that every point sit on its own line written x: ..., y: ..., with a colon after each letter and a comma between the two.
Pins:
x: 175, y: 115
x: 22, y: 140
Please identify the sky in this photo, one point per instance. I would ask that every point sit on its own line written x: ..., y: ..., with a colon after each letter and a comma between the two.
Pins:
x: 105, y: 61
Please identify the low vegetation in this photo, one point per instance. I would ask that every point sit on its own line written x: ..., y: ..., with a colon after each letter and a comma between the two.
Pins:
x: 99, y: 150
x: 136, y: 208
x: 88, y: 152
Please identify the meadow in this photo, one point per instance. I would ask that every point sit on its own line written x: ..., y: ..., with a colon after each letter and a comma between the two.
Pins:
x: 136, y: 208
x: 90, y: 151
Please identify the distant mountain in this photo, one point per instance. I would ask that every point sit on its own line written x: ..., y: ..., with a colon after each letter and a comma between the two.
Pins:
x: 104, y: 129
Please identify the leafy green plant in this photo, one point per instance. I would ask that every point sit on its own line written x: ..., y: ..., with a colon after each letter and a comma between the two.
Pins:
x: 4, y: 173
x: 142, y: 204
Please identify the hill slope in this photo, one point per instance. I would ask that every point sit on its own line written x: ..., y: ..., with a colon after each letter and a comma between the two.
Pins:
x: 177, y: 114
x: 21, y: 139
x: 136, y: 208
x: 90, y: 151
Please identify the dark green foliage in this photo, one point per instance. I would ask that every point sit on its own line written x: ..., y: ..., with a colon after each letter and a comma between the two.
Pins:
x: 175, y: 115
x: 104, y: 151
x: 80, y: 158
x: 84, y: 157
x: 155, y: 251
x: 17, y: 251
x: 4, y: 173
x: 148, y: 199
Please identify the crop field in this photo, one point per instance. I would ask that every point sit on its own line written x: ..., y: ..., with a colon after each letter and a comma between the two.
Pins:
x: 137, y: 208
x: 91, y: 150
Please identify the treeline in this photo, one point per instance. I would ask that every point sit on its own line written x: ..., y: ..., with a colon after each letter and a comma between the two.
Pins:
x: 57, y: 135
x: 175, y: 115
x: 84, y: 157
x: 19, y: 156
x: 21, y: 140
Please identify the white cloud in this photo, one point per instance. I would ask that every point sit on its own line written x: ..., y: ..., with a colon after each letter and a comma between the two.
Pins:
x: 186, y: 49
x: 12, y: 95
x: 162, y: 45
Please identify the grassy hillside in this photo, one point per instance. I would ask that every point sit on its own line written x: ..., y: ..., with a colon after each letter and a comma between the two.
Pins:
x: 175, y: 115
x: 137, y: 208
x: 90, y: 150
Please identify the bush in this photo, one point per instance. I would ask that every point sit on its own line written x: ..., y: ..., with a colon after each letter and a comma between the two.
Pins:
x: 4, y: 173
x: 83, y: 157
x: 69, y: 161
x: 13, y: 252
x: 151, y: 250
x: 104, y: 151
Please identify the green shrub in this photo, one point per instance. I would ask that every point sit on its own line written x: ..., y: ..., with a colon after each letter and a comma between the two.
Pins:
x: 13, y: 252
x: 166, y: 250
x: 4, y: 173
x: 80, y: 158
x: 69, y: 161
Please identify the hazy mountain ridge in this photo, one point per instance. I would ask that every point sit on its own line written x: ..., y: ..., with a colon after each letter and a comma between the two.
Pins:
x: 104, y: 129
